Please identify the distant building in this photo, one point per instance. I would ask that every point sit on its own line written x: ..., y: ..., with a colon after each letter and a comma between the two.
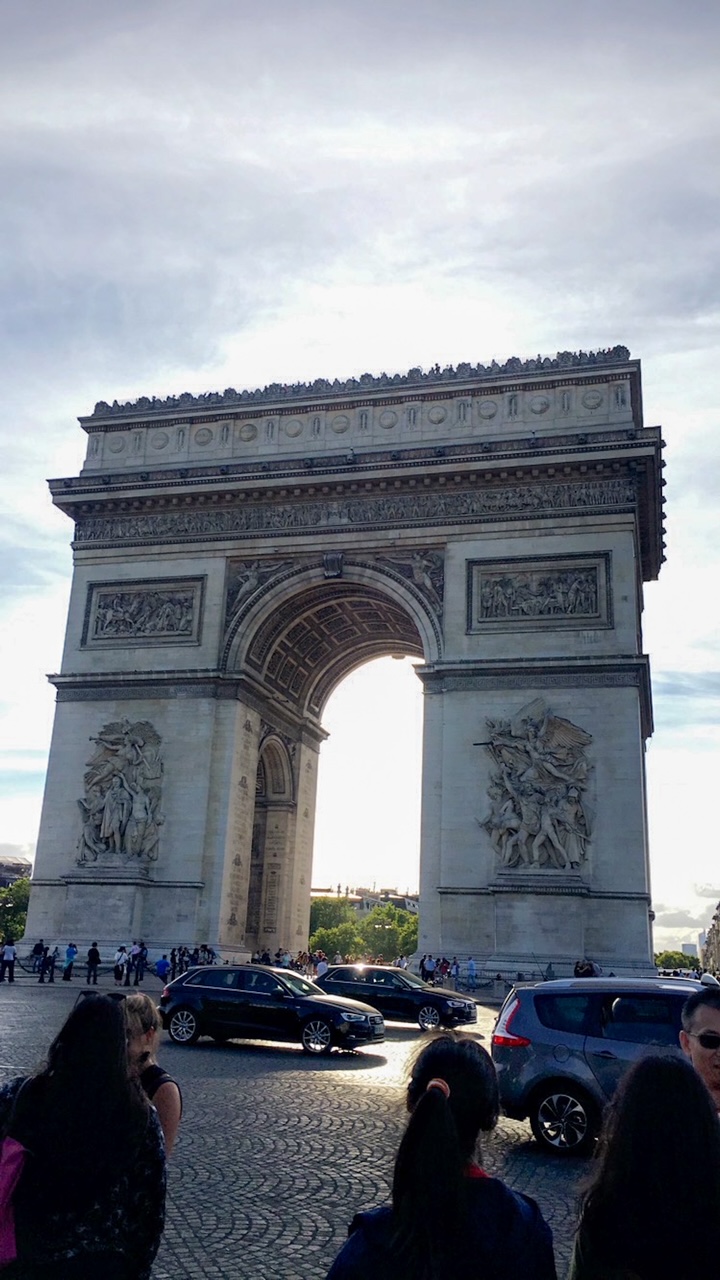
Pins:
x: 12, y: 869
x: 689, y: 949
x: 365, y: 900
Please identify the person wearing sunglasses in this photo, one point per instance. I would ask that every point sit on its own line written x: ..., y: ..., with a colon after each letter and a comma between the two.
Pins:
x: 700, y: 1037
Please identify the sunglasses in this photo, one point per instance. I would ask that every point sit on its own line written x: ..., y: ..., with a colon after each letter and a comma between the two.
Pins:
x: 706, y: 1039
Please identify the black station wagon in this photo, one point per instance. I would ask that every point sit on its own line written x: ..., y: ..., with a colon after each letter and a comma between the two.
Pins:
x: 253, y: 1002
x: 400, y: 996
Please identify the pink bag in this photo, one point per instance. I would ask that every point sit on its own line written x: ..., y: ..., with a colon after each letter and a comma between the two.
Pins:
x: 12, y: 1160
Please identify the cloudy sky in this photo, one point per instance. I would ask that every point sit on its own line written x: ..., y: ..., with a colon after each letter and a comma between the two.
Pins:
x: 203, y: 193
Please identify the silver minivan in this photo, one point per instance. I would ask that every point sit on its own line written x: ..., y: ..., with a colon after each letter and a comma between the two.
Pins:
x: 560, y: 1049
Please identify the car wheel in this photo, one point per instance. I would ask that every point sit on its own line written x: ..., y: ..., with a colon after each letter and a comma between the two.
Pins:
x: 183, y: 1027
x: 564, y: 1120
x: 317, y: 1036
x: 428, y: 1018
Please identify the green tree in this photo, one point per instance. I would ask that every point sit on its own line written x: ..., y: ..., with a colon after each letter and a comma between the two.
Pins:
x: 675, y: 960
x: 13, y: 908
x: 328, y: 913
x: 389, y: 931
x: 409, y: 935
x: 344, y: 938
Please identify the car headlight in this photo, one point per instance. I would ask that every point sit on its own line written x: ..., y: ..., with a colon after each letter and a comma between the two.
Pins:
x: 457, y: 1004
x: 354, y: 1017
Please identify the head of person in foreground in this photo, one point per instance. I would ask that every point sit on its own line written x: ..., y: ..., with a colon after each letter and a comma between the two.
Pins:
x: 652, y: 1204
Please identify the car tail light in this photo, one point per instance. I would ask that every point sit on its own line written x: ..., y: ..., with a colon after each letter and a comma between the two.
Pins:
x: 502, y: 1037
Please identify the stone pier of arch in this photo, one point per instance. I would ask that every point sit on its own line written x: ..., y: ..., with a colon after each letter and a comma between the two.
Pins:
x: 236, y: 556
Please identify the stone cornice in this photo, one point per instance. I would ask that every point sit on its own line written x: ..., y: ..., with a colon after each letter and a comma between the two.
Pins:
x: 555, y: 889
x: 322, y: 389
x: 631, y: 671
x: 108, y: 686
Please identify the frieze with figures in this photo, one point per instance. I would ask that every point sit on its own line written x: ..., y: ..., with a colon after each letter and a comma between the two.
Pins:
x: 131, y: 613
x: 539, y: 817
x: 538, y: 593
x: 120, y: 809
x: 407, y: 508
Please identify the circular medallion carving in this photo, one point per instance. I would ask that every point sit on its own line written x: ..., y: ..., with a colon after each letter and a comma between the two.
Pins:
x: 116, y: 444
x: 248, y: 432
x: 487, y: 408
x: 340, y: 423
x: 539, y: 404
x: 387, y: 419
x: 159, y: 440
x: 293, y: 429
x: 203, y: 436
x: 592, y: 399
x: 437, y: 414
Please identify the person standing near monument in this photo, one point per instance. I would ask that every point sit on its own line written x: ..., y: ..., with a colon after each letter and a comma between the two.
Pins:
x: 471, y: 974
x: 8, y: 956
x: 47, y: 965
x: 70, y: 954
x: 93, y: 960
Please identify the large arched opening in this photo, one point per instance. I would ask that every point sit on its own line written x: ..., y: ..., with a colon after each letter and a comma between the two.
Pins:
x: 292, y: 645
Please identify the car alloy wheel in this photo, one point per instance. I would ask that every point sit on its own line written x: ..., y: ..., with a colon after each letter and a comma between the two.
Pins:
x: 317, y: 1036
x: 183, y: 1026
x: 563, y: 1121
x: 428, y: 1018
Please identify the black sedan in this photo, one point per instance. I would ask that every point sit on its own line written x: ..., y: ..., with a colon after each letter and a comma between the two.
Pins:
x: 253, y: 1002
x: 399, y: 995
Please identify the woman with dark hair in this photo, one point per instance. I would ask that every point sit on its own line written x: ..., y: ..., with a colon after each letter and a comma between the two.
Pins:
x: 91, y: 1196
x: 449, y: 1220
x: 651, y: 1209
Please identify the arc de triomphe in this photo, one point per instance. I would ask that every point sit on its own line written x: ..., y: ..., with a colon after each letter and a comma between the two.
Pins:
x: 236, y: 555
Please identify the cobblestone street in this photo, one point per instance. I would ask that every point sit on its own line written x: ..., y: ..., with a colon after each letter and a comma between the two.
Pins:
x: 277, y: 1151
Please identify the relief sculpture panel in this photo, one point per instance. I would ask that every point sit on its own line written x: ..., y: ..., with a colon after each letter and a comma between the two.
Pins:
x: 539, y: 816
x: 539, y: 594
x: 120, y: 809
x: 129, y: 613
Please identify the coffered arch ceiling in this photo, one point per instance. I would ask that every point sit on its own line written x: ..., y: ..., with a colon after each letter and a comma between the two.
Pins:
x: 310, y: 642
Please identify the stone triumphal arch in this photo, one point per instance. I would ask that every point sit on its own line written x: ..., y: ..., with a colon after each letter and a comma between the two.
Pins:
x: 236, y: 555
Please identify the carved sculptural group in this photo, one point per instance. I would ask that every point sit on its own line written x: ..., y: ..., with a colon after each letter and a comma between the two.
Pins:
x: 128, y: 614
x: 538, y: 816
x: 121, y: 806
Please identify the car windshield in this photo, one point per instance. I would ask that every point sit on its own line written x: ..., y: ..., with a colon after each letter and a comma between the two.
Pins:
x: 301, y: 986
x: 412, y: 979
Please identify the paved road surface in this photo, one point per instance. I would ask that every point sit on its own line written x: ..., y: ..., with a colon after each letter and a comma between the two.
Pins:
x: 277, y: 1151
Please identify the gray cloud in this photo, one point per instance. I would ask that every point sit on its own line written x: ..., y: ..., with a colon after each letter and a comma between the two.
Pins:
x: 680, y: 919
x: 707, y: 891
